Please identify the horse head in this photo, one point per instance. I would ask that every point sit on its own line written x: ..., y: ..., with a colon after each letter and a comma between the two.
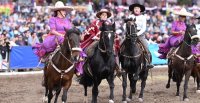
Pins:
x: 107, y: 38
x: 191, y: 32
x: 131, y: 30
x: 72, y: 43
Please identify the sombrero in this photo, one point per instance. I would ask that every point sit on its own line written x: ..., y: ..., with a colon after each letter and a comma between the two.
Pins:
x: 59, y: 5
x: 103, y: 11
x: 183, y: 12
x: 137, y: 5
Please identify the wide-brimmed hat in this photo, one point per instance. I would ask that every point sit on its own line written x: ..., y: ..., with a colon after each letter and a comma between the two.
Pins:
x: 103, y: 11
x: 183, y: 12
x: 59, y: 5
x: 137, y: 5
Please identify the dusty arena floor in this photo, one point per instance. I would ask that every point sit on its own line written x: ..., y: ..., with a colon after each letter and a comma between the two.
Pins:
x: 28, y: 89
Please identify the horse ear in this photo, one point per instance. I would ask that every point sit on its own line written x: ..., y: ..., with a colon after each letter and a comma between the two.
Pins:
x: 113, y: 25
x: 102, y: 26
x: 66, y: 32
x: 65, y: 29
x: 134, y: 19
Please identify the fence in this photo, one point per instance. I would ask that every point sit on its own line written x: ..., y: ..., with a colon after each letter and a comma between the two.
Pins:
x: 22, y: 57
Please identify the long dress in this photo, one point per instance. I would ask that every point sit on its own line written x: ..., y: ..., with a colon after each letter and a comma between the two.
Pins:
x: 173, y: 40
x: 50, y: 42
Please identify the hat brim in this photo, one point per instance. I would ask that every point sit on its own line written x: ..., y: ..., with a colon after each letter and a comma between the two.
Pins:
x: 183, y: 13
x: 99, y: 13
x: 67, y: 8
x: 131, y: 7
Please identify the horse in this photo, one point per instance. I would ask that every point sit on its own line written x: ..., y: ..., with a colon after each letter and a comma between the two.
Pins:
x: 133, y: 63
x: 196, y: 74
x: 182, y: 61
x: 59, y: 70
x: 101, y: 65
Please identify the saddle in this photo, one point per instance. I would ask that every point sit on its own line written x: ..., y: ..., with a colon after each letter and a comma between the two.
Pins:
x: 91, y: 48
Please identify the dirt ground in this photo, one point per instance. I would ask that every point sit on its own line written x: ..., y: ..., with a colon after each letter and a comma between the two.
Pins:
x: 28, y: 89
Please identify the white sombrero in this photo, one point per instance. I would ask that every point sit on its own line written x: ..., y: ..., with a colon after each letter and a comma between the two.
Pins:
x: 183, y: 12
x: 59, y: 5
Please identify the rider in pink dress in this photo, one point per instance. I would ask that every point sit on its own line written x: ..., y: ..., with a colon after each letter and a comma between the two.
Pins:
x: 178, y: 31
x: 57, y: 24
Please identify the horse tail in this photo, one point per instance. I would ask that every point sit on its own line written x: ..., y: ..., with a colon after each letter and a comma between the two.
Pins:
x: 86, y: 79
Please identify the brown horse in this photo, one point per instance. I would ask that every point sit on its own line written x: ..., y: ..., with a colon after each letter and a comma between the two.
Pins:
x: 59, y: 71
x: 181, y: 62
x: 196, y: 75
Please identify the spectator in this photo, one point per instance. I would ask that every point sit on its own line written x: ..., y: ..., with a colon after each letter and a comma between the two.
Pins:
x: 33, y: 39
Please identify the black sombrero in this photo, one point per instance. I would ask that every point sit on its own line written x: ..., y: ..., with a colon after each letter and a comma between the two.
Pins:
x: 137, y: 5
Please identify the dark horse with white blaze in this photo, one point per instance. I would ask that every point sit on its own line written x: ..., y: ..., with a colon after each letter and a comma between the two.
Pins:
x: 59, y: 70
x: 182, y: 61
x: 133, y: 63
x: 101, y: 65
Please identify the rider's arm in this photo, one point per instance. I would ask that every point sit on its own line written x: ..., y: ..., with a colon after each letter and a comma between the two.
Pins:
x: 143, y: 26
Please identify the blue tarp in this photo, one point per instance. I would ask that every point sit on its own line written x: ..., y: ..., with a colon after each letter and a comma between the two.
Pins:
x: 22, y: 57
x: 154, y: 51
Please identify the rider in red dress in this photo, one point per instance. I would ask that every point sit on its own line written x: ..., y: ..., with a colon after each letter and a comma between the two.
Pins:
x: 91, y: 36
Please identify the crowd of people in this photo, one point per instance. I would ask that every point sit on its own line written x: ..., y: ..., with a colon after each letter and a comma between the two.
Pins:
x: 30, y: 25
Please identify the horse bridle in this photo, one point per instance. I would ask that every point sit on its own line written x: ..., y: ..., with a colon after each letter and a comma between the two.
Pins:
x: 104, y: 42
x: 131, y: 35
x: 58, y: 50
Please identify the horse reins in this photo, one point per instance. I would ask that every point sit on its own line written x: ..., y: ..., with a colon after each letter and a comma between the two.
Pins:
x: 180, y: 57
x: 62, y: 72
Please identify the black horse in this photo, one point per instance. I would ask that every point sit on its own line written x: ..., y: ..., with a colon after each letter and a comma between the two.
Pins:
x: 59, y: 70
x: 182, y: 61
x: 101, y: 65
x: 132, y: 61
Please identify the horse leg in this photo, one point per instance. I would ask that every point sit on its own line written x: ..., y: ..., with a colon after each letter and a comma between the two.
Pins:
x: 45, y: 99
x: 143, y: 76
x: 198, y: 83
x: 95, y: 91
x: 65, y: 90
x: 178, y: 83
x: 50, y: 95
x: 110, y: 80
x: 85, y: 94
x: 187, y: 77
x: 169, y: 77
x: 57, y: 94
x: 132, y: 86
x: 124, y: 85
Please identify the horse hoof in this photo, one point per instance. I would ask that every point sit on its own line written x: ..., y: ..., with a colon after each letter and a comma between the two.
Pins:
x: 198, y: 91
x: 45, y: 99
x: 167, y: 86
x: 140, y: 100
x: 124, y: 101
x: 128, y: 99
x: 186, y: 99
x: 111, y: 101
x: 85, y: 100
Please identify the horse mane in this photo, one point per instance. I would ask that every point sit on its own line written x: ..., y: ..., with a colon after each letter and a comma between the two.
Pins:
x: 74, y: 30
